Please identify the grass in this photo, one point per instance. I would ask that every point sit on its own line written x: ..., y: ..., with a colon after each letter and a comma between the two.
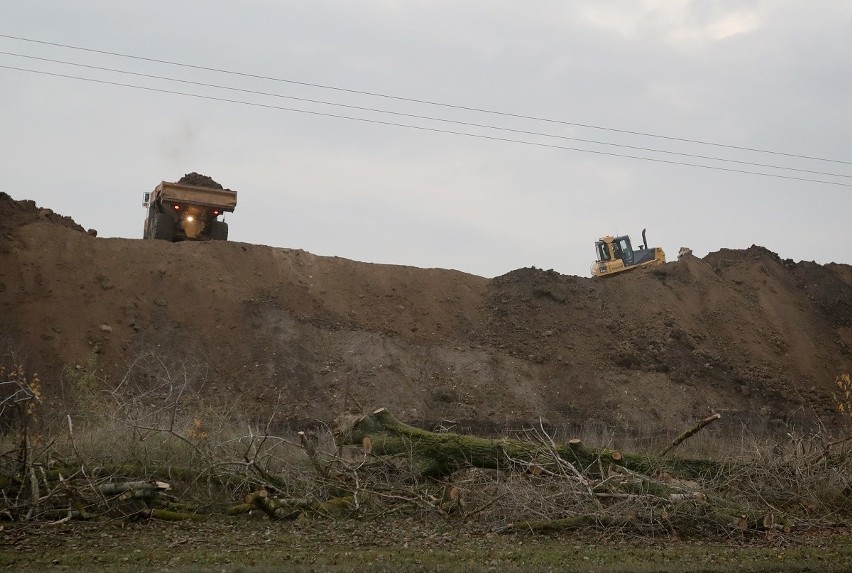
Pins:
x: 249, y: 544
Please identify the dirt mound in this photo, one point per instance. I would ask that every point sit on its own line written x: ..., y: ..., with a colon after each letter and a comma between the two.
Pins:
x: 740, y: 332
x: 15, y: 214
x: 199, y: 180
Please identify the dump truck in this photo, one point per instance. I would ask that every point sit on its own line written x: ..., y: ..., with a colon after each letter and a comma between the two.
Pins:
x: 616, y: 255
x: 182, y: 211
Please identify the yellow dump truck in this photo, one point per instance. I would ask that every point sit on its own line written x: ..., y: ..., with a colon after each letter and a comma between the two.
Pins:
x: 181, y: 211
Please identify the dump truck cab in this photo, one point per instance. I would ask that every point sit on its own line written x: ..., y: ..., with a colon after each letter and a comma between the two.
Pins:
x: 180, y: 212
x: 616, y: 255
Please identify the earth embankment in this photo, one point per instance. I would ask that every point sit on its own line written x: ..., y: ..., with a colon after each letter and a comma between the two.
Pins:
x: 741, y: 332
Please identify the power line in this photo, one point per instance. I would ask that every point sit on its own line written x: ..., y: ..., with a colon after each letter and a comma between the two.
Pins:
x: 429, y: 129
x: 426, y: 102
x: 426, y: 117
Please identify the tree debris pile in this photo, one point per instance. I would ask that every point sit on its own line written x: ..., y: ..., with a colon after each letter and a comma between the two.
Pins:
x: 374, y: 465
x: 73, y: 493
x: 540, y: 485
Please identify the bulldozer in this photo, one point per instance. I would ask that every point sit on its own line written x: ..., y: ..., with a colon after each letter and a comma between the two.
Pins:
x: 616, y: 255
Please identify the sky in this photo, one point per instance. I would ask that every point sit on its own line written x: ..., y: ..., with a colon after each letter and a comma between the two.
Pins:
x: 482, y: 136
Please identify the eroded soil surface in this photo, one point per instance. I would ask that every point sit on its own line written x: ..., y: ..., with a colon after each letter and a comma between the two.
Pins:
x: 741, y: 332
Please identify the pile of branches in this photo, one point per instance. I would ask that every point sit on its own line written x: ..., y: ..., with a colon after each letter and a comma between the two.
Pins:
x: 536, y: 484
x: 49, y: 495
x: 38, y: 481
x: 374, y: 466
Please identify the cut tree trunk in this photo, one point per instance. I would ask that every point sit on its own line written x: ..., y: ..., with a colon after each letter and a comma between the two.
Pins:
x: 134, y: 486
x: 438, y: 454
x: 289, y: 509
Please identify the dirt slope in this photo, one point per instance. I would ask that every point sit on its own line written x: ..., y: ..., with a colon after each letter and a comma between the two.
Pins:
x: 740, y: 332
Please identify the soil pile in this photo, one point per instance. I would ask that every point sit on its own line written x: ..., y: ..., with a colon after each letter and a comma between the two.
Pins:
x: 199, y: 180
x: 743, y: 333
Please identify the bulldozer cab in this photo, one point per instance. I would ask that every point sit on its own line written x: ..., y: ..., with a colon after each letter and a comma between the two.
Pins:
x: 615, y: 248
x: 623, y: 249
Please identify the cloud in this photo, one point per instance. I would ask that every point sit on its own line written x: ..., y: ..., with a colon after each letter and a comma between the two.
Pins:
x: 733, y: 24
x: 678, y: 22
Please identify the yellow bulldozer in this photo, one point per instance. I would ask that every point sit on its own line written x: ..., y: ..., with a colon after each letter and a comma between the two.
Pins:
x: 616, y: 255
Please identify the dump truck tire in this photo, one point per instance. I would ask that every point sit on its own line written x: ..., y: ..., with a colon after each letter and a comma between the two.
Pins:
x: 162, y: 227
x: 219, y: 231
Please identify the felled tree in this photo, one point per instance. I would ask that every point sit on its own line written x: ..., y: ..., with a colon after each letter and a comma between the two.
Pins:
x: 434, y: 454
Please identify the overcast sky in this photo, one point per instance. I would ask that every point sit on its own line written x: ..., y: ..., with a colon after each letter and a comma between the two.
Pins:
x: 768, y: 75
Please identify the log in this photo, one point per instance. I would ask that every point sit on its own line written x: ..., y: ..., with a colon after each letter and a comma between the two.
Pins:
x: 134, y: 489
x: 281, y: 509
x: 240, y: 508
x: 439, y: 454
x: 690, y: 432
x: 740, y: 522
x: 251, y: 498
x: 289, y: 509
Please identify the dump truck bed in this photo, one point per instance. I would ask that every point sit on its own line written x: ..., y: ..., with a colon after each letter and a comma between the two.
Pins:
x: 224, y: 199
